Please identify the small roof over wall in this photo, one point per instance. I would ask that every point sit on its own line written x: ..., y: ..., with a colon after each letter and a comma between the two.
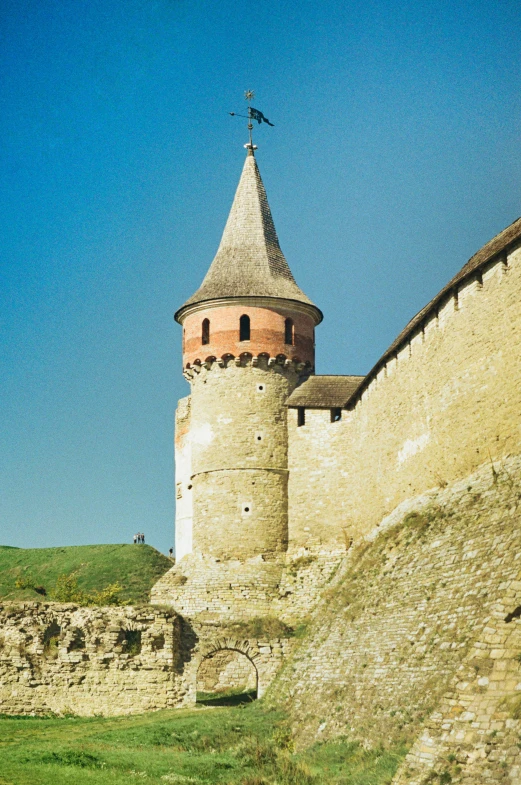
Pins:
x: 324, y: 392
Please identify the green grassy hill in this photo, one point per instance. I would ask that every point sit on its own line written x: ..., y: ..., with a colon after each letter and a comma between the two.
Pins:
x: 135, y: 567
x: 247, y: 745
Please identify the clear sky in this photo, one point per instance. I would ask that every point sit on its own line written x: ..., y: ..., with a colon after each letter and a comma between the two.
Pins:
x: 394, y: 157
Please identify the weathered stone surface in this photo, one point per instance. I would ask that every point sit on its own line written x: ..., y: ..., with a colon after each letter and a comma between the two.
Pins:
x: 62, y: 658
x: 427, y: 592
x: 450, y: 400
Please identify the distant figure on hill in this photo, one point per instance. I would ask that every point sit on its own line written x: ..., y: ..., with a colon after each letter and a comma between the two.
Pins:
x: 142, y: 538
x: 135, y: 538
x: 171, y: 553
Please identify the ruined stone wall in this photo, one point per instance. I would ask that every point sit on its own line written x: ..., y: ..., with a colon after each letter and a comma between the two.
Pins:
x: 404, y: 611
x: 447, y: 402
x: 63, y: 658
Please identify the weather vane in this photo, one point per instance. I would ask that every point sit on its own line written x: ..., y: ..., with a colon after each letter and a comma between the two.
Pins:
x: 253, y: 114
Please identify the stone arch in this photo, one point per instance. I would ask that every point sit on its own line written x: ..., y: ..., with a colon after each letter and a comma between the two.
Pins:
x: 228, y: 666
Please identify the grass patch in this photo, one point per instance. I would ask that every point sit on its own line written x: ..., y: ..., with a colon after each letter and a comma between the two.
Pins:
x: 267, y: 627
x: 300, y: 563
x: 36, y: 573
x: 243, y: 745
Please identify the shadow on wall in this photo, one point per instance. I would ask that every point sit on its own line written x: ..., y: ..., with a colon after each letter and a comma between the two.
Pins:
x: 226, y: 678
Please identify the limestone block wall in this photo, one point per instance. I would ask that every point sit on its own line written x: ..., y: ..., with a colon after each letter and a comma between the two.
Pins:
x: 225, y: 670
x: 288, y: 589
x: 404, y: 611
x: 63, y: 658
x: 227, y: 590
x: 448, y: 401
x: 238, y: 434
x: 473, y: 735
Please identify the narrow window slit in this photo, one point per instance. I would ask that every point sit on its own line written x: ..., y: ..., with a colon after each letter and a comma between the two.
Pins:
x: 244, y: 328
x: 205, y: 338
x: 289, y: 335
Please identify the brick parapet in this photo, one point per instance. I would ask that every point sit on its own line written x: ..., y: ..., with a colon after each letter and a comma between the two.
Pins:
x: 267, y: 334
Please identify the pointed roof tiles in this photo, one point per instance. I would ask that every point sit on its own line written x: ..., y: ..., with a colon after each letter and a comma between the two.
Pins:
x: 249, y: 261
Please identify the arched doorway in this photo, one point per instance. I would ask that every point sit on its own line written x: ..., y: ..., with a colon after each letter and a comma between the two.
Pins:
x: 226, y: 677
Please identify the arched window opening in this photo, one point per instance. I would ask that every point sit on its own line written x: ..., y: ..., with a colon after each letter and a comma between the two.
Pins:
x: 301, y: 416
x: 226, y: 678
x: 289, y: 332
x: 205, y: 332
x: 336, y: 414
x: 244, y: 328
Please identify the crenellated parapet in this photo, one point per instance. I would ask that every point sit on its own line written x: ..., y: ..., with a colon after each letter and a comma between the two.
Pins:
x: 263, y: 361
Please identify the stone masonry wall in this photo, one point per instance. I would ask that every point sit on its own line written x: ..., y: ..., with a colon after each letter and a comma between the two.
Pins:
x: 404, y: 611
x: 239, y: 444
x: 288, y: 589
x: 474, y: 735
x: 63, y: 658
x: 449, y: 399
x: 226, y: 670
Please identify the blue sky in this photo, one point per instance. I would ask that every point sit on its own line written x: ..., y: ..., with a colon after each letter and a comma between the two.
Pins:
x: 394, y: 157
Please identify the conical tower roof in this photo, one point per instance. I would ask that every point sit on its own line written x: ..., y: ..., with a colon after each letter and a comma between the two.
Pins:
x: 249, y: 262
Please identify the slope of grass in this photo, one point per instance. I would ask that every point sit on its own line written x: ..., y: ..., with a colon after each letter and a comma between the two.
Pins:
x: 135, y: 567
x: 248, y: 745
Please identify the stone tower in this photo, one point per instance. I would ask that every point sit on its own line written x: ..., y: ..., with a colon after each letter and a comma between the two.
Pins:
x: 248, y: 340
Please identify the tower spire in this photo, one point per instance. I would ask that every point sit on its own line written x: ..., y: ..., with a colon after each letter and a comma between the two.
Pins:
x: 249, y: 261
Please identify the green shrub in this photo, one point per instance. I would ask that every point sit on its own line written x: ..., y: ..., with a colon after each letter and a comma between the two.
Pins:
x: 261, y: 627
x: 66, y: 589
x: 300, y: 563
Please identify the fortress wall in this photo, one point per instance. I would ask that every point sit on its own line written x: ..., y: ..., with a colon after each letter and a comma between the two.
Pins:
x: 403, y: 613
x: 232, y: 407
x: 448, y: 401
x: 63, y: 658
x: 474, y: 733
x: 223, y: 590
